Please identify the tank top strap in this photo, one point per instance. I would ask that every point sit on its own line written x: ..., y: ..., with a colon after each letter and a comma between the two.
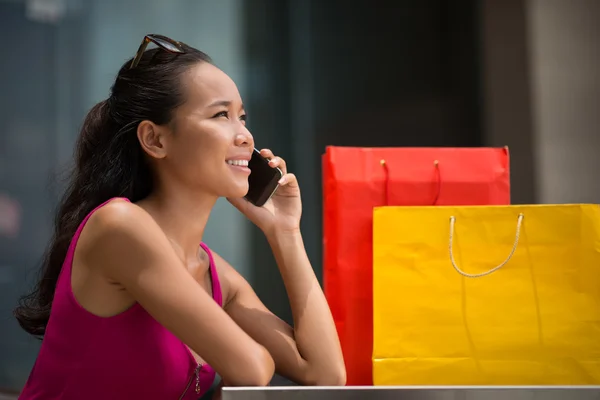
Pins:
x: 214, y: 275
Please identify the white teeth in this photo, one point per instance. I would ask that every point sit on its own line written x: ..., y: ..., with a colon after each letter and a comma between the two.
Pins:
x: 241, y: 163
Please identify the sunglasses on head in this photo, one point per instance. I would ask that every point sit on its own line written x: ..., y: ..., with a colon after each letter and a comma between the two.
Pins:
x: 165, y: 43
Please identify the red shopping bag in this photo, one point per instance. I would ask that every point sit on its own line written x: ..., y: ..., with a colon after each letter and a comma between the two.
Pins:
x: 356, y: 180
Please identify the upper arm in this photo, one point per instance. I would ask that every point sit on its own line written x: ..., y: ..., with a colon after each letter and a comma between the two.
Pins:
x: 132, y: 250
x: 249, y: 312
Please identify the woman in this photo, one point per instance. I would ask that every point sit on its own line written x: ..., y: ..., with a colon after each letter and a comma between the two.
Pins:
x: 129, y: 305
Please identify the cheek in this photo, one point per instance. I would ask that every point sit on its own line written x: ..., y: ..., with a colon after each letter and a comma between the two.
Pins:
x: 196, y: 159
x: 200, y: 152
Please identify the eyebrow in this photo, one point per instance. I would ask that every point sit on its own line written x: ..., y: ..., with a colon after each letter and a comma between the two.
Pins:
x: 222, y: 103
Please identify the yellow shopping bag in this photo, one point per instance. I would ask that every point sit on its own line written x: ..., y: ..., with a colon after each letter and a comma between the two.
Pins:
x: 501, y: 295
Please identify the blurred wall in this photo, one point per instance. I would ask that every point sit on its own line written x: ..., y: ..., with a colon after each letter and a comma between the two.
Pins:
x: 541, y: 95
x: 564, y: 39
x: 506, y: 92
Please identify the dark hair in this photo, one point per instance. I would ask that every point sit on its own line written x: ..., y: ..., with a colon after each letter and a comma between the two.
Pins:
x: 109, y: 161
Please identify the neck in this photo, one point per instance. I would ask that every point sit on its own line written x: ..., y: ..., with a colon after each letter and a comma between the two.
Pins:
x: 182, y: 216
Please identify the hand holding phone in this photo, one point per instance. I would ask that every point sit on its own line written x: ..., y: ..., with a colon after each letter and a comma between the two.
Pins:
x: 263, y: 180
x: 283, y: 211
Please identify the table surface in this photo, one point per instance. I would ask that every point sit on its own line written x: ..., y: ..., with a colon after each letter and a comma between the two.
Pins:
x: 415, y: 393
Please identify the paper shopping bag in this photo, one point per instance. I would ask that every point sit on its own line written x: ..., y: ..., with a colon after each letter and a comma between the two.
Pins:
x: 356, y: 180
x: 486, y: 295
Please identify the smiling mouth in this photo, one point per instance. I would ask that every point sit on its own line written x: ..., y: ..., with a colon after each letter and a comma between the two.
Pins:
x: 239, y: 163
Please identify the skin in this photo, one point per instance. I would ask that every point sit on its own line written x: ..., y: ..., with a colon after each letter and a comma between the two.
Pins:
x: 149, y: 253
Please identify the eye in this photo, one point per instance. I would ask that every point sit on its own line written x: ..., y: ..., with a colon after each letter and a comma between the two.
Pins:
x: 244, y: 118
x: 221, y: 114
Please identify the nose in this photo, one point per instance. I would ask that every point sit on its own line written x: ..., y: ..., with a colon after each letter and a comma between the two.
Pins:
x: 244, y: 139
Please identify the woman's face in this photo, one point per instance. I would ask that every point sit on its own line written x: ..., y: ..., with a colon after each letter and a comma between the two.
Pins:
x: 208, y: 145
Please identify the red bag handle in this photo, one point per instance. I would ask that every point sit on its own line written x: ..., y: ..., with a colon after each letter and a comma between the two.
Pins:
x: 438, y: 181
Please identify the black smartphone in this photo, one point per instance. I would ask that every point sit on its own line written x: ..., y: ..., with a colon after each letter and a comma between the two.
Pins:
x: 263, y: 180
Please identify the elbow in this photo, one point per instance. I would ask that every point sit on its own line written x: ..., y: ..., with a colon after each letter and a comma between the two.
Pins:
x: 335, y: 376
x: 257, y: 370
x: 264, y: 368
x: 338, y: 378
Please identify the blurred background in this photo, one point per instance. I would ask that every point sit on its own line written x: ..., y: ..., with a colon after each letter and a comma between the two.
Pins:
x: 517, y: 73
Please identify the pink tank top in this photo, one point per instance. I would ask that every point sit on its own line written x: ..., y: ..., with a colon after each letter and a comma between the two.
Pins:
x: 127, y: 356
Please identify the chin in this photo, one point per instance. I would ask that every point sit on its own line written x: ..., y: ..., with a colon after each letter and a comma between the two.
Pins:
x: 237, y: 192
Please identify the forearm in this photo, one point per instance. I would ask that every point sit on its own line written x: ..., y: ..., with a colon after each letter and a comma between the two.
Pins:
x: 314, y: 329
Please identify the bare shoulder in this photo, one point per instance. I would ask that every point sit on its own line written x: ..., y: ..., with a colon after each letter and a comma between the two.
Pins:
x: 121, y: 233
x: 120, y: 215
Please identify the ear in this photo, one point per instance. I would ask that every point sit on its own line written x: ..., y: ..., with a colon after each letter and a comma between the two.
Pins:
x: 152, y: 138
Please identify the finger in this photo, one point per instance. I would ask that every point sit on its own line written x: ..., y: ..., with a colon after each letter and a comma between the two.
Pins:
x: 278, y: 162
x: 288, y: 180
x: 266, y: 153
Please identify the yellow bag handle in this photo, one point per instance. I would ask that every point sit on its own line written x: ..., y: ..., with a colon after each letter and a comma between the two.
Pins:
x: 467, y: 275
